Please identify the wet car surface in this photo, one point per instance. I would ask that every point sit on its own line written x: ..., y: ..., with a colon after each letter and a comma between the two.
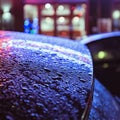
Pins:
x: 40, y: 80
x: 51, y: 78
x: 104, y: 105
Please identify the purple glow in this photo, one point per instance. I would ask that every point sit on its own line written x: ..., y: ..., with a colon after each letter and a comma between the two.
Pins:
x: 54, y: 1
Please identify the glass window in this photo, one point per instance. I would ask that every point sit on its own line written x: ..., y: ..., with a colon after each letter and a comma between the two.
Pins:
x: 78, y: 24
x: 116, y: 14
x: 63, y: 10
x: 30, y: 11
x: 47, y: 9
x: 104, y: 25
x: 63, y: 26
x: 116, y: 20
x: 31, y: 19
x: 80, y: 10
x: 78, y: 21
x: 47, y: 26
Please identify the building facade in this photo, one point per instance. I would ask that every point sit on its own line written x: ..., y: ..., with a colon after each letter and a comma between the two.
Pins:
x: 116, y: 15
x: 64, y: 18
x: 72, y: 19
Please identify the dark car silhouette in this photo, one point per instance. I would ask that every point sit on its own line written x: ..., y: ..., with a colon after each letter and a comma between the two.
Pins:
x: 105, y: 50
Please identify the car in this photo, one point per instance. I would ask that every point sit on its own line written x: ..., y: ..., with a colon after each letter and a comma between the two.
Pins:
x: 105, y: 51
x: 50, y: 78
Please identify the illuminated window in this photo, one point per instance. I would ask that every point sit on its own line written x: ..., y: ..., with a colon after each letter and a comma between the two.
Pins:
x: 62, y: 23
x: 62, y: 20
x: 63, y: 26
x: 47, y: 24
x: 116, y: 14
x: 31, y: 19
x: 30, y: 11
x: 47, y: 9
x: 78, y: 23
x: 63, y: 10
x: 80, y: 10
x: 66, y: 20
x: 116, y: 20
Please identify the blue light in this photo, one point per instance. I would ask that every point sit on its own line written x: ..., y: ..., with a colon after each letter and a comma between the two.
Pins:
x: 26, y: 22
x: 26, y: 30
x: 31, y: 26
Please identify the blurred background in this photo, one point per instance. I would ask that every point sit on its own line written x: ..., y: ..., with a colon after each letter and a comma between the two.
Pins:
x: 73, y: 19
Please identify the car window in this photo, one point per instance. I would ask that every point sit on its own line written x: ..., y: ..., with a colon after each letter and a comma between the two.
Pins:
x: 106, y: 58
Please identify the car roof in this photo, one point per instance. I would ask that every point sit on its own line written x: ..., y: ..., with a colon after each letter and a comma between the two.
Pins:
x: 100, y: 36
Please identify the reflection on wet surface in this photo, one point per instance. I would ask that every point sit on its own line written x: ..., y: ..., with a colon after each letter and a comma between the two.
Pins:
x: 40, y: 80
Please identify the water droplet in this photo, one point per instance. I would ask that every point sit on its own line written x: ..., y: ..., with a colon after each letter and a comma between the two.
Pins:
x: 34, y: 115
x: 26, y: 73
x: 59, y: 74
x: 62, y: 98
x: 26, y: 101
x: 56, y: 77
x: 47, y: 69
x: 24, y: 83
x: 24, y: 88
x: 13, y: 73
x: 83, y: 80
x: 1, y: 85
x: 96, y: 94
x: 34, y: 77
x: 53, y: 55
x: 40, y: 105
x: 35, y: 86
x: 55, y: 109
x: 90, y: 74
x: 42, y: 93
x: 4, y: 80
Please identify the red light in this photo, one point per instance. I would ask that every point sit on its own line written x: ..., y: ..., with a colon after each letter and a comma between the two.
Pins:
x: 80, y: 14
